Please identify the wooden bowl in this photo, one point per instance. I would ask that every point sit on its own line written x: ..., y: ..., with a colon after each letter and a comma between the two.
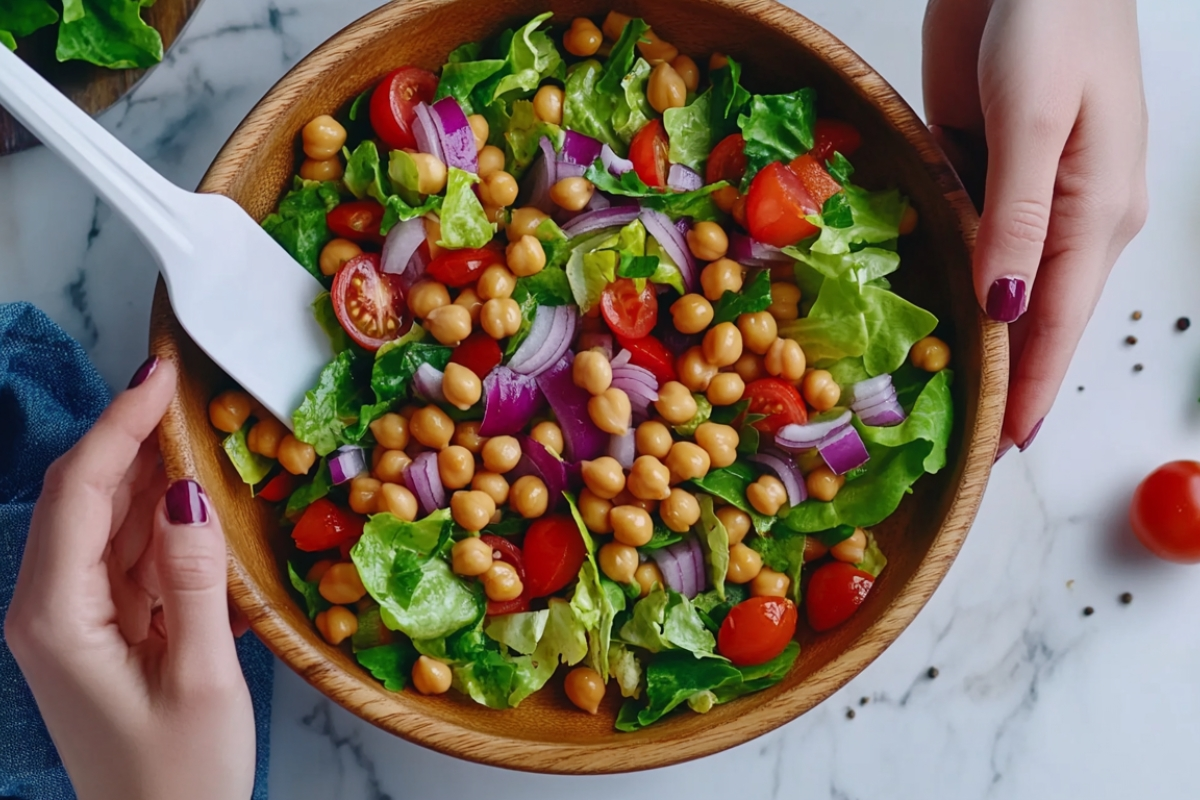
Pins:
x: 782, y: 51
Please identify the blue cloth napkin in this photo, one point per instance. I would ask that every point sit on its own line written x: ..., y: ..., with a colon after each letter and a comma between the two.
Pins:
x: 50, y: 395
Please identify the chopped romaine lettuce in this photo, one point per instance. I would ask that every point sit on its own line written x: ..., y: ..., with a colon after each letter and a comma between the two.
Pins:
x: 390, y: 664
x: 874, y: 220
x: 520, y: 632
x: 632, y: 110
x: 327, y: 318
x: 364, y: 174
x: 108, y: 33
x: 624, y: 666
x: 299, y: 223
x: 464, y: 223
x: 754, y: 297
x: 778, y: 127
x: 310, y: 492
x: 665, y: 620
x: 783, y: 551
x: 689, y: 130
x: 729, y: 484
x: 249, y: 465
x: 696, y: 204
x: 333, y: 405
x: 313, y: 601
x: 715, y: 541
x: 20, y: 19
x: 523, y: 136
x: 729, y: 100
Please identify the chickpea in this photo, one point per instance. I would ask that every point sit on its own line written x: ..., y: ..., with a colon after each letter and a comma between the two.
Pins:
x: 611, y: 411
x: 585, y: 689
x: 426, y: 296
x: 337, y: 624
x: 583, y: 38
x: 744, y: 564
x: 493, y: 485
x: 603, y: 477
x: 323, y: 137
x: 785, y: 301
x: 626, y: 498
x: 737, y: 523
x: 433, y: 235
x: 491, y: 161
x: 725, y: 197
x: 595, y: 512
x: 723, y: 345
x: 592, y: 371
x: 398, y: 500
x: 679, y: 511
x: 431, y: 427
x: 499, y: 189
x: 725, y: 389
x: 326, y: 169
x: 707, y: 240
x: 479, y: 129
x: 908, y: 221
x: 500, y: 317
x: 721, y: 276
x: 472, y: 509
x: 341, y: 585
x: 265, y: 436
x: 653, y: 438
x: 364, y: 494
x: 501, y: 454
x: 431, y: 173
x: 524, y: 222
x: 785, y: 359
x: 468, y: 299
x: 719, y: 441
x: 526, y: 256
x: 461, y: 386
x: 496, y: 282
x: 769, y: 583
x: 823, y: 484
x: 471, y: 557
x: 619, y: 562
x: 456, y: 467
x: 852, y: 549
x: 548, y: 104
x: 502, y: 583
x: 930, y: 354
x: 614, y: 24
x: 648, y: 576
x: 738, y: 210
x: 430, y: 676
x: 687, y: 70
x: 229, y: 411
x: 695, y: 372
x: 529, y: 497
x: 717, y: 61
x: 750, y: 367
x: 631, y: 525
x: 767, y: 495
x: 665, y: 89
x: 687, y: 461
x: 449, y: 324
x: 336, y: 253
x: 572, y: 193
x: 391, y: 431
x: 820, y: 390
x: 295, y: 456
x: 466, y: 434
x: 649, y: 479
x: 549, y: 435
x: 691, y: 313
x: 675, y: 403
x: 655, y: 50
x: 317, y: 570
x: 814, y: 548
x: 759, y: 331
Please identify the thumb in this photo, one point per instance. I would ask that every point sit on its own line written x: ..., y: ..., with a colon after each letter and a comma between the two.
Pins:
x: 190, y: 555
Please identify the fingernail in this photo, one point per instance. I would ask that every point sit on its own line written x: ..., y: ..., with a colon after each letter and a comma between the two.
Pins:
x: 1006, y: 299
x: 144, y: 372
x: 185, y: 503
x: 1003, y: 451
x: 1025, y: 445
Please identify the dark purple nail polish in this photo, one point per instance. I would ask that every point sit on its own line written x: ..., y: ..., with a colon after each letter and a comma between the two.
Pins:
x: 1025, y: 445
x: 1006, y: 299
x: 1003, y: 451
x: 185, y: 503
x: 144, y: 372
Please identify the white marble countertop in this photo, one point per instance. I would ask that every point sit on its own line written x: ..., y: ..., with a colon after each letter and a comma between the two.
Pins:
x: 1032, y: 700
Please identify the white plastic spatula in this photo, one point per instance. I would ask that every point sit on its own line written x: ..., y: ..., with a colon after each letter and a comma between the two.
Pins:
x: 237, y: 293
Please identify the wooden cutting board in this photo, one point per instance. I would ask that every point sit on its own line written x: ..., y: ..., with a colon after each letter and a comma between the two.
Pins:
x: 92, y: 88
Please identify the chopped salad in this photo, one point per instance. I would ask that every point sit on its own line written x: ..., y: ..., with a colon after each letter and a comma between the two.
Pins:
x: 621, y: 384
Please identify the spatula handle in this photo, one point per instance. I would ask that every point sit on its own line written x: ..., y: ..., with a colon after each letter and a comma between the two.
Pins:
x: 152, y: 205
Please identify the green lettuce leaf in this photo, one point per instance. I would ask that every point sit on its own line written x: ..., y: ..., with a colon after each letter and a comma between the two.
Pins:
x: 632, y: 110
x: 689, y: 130
x: 396, y: 363
x: 461, y: 75
x: 327, y: 318
x: 109, y: 33
x: 371, y: 630
x: 671, y: 678
x: 520, y: 632
x: 875, y: 220
x: 599, y: 99
x: 715, y: 540
x: 313, y: 601
x: 309, y: 493
x: 696, y: 204
x: 783, y: 551
x: 532, y: 57
x: 588, y: 110
x: 840, y: 168
x: 754, y: 297
x: 662, y: 537
x: 333, y: 405
x: 404, y: 177
x: 704, y: 411
x: 668, y: 272
x: 873, y: 560
x: 865, y: 265
x: 395, y: 210
x: 364, y: 173
x: 252, y: 467
x: 626, y: 668
x: 665, y: 620
x: 778, y: 127
x: 299, y: 223
x: 390, y: 664
x: 729, y: 100
x: 762, y: 676
x: 729, y: 484
x: 713, y: 609
x: 464, y: 223
x: 22, y: 18
x: 597, y: 607
x: 523, y: 136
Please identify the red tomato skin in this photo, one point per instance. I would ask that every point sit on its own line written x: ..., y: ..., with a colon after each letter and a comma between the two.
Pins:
x: 776, y: 206
x: 757, y: 630
x: 727, y: 162
x: 835, y: 591
x: 648, y: 152
x: 460, y: 267
x: 509, y: 553
x: 394, y: 102
x: 780, y: 400
x: 278, y: 488
x: 820, y: 185
x: 629, y: 313
x: 650, y: 353
x: 1165, y: 513
x: 324, y: 526
x: 479, y: 353
x: 363, y: 275
x: 834, y: 136
x: 554, y: 551
x: 357, y: 220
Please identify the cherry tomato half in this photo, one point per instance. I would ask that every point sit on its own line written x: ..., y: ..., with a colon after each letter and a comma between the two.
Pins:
x: 650, y: 353
x: 757, y: 630
x: 479, y: 353
x: 779, y: 400
x: 834, y: 136
x: 776, y: 207
x: 648, y: 152
x: 325, y: 525
x: 1165, y: 513
x: 819, y: 184
x: 358, y: 220
x: 554, y: 551
x: 394, y: 104
x: 835, y: 591
x: 627, y: 311
x: 727, y: 161
x: 460, y: 267
x: 278, y: 488
x: 509, y: 553
x: 369, y: 302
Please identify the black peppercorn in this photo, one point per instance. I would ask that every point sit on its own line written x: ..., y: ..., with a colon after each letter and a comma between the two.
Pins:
x: 1127, y: 598
x: 1183, y: 323
x: 1136, y: 315
x: 849, y: 713
x: 932, y: 673
x: 1138, y: 367
x: 1088, y: 611
x: 1131, y: 340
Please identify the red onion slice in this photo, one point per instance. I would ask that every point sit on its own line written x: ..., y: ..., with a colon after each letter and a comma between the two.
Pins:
x: 427, y: 383
x: 416, y: 266
x: 786, y: 470
x: 423, y: 480
x: 637, y: 382
x: 844, y: 450
x: 614, y: 163
x: 698, y: 561
x: 614, y: 217
x: 455, y: 135
x: 805, y: 437
x: 863, y: 391
x: 582, y: 440
x: 752, y: 253
x: 401, y: 244
x: 346, y: 463
x: 598, y: 202
x: 426, y: 132
x: 580, y: 149
x: 885, y: 417
x: 546, y: 466
x: 683, y: 179
x: 668, y: 565
x: 510, y: 401
x: 548, y: 340
x: 623, y: 448
x: 682, y: 567
x: 565, y: 169
x: 884, y: 398
x: 673, y: 243
x: 543, y: 175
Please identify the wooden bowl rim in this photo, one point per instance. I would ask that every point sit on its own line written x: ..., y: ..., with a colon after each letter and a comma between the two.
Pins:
x: 630, y: 751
